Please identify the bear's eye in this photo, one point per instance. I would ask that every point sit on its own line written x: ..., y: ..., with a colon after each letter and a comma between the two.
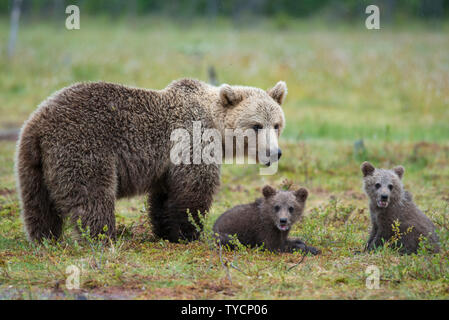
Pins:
x: 257, y: 127
x: 277, y: 208
x: 377, y: 185
x: 390, y: 186
x: 276, y: 127
x: 290, y: 209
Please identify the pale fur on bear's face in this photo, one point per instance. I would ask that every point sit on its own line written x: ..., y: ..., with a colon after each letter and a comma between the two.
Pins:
x: 283, y: 208
x: 383, y: 187
x: 255, y: 109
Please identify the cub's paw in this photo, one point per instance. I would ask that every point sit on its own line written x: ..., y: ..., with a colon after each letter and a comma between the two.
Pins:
x: 313, y: 250
x: 297, y: 244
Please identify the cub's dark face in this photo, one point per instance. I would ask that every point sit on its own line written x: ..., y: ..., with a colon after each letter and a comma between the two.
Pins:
x: 382, y: 186
x: 283, y: 208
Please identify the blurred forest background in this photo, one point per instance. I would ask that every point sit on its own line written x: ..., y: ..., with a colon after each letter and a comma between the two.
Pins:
x: 321, y: 48
x: 236, y: 9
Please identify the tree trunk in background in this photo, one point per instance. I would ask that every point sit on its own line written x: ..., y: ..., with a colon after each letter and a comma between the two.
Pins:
x: 389, y: 8
x: 432, y: 8
x: 15, y: 14
x: 212, y: 9
x: 58, y: 8
x: 132, y: 8
x: 247, y: 9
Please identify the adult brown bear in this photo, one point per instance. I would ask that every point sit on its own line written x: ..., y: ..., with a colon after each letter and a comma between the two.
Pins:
x: 91, y: 143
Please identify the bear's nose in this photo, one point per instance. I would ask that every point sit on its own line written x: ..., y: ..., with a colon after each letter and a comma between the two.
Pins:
x: 279, y: 153
x: 283, y: 220
x: 384, y: 197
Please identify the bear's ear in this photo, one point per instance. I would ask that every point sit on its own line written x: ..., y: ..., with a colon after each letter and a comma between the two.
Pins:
x: 399, y: 170
x: 278, y: 92
x: 228, y: 96
x: 301, y: 194
x: 367, y: 168
x: 268, y: 191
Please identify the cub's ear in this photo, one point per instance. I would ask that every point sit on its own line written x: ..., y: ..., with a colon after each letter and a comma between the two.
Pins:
x: 228, y: 96
x: 367, y: 168
x: 268, y: 191
x: 301, y: 194
x: 399, y: 170
x: 278, y: 92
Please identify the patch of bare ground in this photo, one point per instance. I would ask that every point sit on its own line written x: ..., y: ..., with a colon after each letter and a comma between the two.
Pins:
x: 350, y: 194
x: 7, y: 192
x: 198, y: 290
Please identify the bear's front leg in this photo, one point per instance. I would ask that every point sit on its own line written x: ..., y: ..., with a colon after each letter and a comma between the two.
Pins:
x: 374, y: 231
x: 184, y: 189
x: 297, y: 244
x: 375, y: 243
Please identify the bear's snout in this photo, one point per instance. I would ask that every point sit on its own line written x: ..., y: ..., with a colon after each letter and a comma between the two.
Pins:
x: 383, y: 201
x: 279, y: 153
x: 283, y: 224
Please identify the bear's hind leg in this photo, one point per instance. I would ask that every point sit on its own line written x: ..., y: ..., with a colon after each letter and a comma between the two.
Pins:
x: 40, y: 217
x: 156, y: 202
x: 43, y: 222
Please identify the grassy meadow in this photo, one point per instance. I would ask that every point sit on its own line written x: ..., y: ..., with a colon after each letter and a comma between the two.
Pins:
x: 354, y: 95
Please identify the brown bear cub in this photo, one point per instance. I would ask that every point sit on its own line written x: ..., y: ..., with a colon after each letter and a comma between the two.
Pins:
x: 267, y: 222
x: 391, y: 208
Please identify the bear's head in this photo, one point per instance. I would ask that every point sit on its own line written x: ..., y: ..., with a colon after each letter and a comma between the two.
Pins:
x: 383, y: 187
x: 283, y: 208
x: 257, y: 114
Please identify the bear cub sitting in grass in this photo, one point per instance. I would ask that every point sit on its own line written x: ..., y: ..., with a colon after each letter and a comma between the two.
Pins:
x: 267, y: 222
x: 391, y: 208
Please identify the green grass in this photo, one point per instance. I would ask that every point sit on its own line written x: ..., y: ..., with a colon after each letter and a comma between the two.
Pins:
x: 389, y: 88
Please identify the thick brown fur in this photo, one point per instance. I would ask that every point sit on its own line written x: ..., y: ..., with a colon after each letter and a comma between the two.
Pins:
x: 397, y: 205
x: 92, y: 143
x: 258, y: 223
